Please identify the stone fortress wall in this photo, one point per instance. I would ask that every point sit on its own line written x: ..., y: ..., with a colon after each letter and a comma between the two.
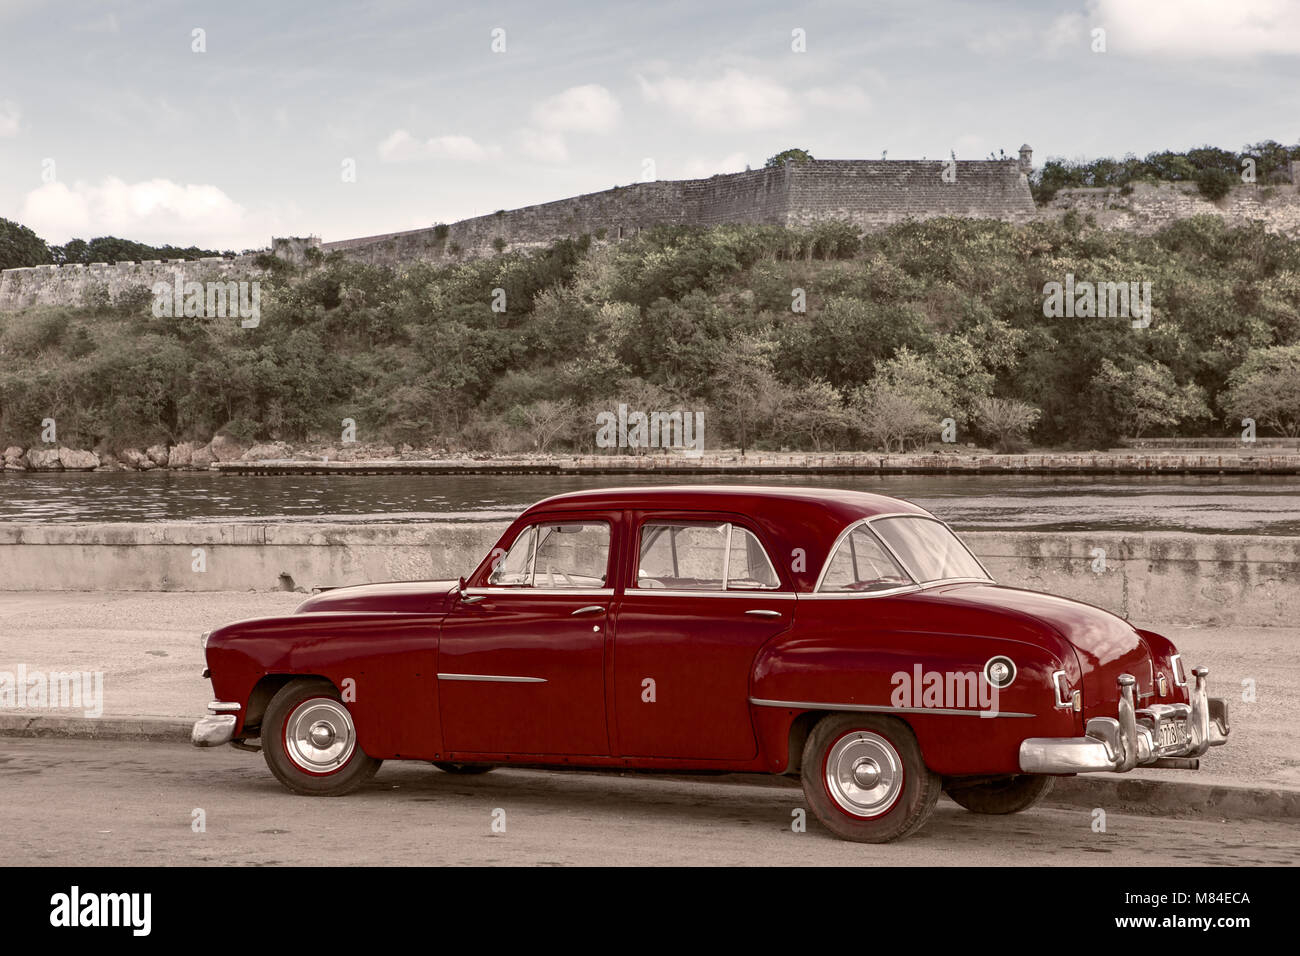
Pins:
x: 870, y: 194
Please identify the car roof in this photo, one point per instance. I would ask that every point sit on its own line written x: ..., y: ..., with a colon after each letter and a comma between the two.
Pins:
x: 798, y: 525
x: 847, y: 504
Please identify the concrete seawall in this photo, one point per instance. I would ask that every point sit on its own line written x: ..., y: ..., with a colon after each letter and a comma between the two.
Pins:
x: 1215, y: 580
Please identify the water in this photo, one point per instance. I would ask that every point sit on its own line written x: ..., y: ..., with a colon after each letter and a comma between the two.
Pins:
x: 1216, y: 504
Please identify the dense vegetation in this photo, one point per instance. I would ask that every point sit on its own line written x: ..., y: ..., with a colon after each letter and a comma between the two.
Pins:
x: 1214, y: 170
x: 902, y: 329
x: 19, y: 247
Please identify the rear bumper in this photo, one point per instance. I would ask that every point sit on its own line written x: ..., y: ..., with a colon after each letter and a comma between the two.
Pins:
x: 1134, y: 737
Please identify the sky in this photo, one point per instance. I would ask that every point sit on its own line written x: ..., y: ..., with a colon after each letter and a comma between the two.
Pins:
x: 222, y: 125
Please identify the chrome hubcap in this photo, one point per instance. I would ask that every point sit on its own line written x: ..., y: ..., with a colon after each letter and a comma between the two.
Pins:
x: 864, y: 774
x: 319, y: 736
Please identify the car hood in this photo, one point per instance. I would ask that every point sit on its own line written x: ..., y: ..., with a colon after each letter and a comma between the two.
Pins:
x: 406, y: 597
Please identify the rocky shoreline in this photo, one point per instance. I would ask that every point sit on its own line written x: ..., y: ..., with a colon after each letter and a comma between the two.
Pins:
x: 228, y: 455
x: 197, y: 456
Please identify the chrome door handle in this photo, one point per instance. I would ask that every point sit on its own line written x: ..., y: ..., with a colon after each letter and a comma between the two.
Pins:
x: 760, y: 612
x: 590, y: 608
x: 472, y: 598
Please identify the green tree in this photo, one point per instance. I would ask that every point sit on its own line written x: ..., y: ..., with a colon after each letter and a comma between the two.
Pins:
x: 1266, y: 387
x: 20, y: 247
x: 1146, y: 396
x: 794, y: 154
x: 1006, y: 420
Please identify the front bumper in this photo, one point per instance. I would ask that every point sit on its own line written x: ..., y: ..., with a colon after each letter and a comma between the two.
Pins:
x: 1135, y: 737
x: 217, y: 728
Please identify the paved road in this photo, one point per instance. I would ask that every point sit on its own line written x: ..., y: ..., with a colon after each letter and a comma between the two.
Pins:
x: 82, y: 803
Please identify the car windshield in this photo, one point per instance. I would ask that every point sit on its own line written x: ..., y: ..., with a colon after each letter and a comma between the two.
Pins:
x: 928, y: 548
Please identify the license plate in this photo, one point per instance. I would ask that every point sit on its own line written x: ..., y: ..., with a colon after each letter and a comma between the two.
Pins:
x: 1173, y: 733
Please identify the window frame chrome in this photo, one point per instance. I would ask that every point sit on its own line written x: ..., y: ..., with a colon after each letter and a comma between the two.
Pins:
x: 917, y: 583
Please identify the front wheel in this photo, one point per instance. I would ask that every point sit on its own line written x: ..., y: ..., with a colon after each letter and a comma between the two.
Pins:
x: 865, y: 779
x: 310, y: 742
x: 1008, y: 795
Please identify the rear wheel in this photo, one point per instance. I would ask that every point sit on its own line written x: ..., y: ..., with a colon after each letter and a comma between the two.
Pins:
x: 310, y: 741
x: 1007, y: 795
x: 464, y: 769
x: 865, y: 778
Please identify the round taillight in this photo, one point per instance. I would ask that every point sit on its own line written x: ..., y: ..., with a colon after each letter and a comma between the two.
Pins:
x: 1000, y: 671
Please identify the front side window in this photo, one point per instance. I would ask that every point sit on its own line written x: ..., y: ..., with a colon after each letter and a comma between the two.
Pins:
x: 928, y: 548
x: 702, y: 556
x: 568, y: 554
x: 861, y: 564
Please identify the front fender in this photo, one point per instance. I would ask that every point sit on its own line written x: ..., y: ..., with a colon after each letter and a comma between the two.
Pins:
x: 384, y: 664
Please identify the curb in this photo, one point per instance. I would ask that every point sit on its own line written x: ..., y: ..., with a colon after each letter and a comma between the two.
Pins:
x: 156, y: 729
x: 1160, y: 797
x: 1150, y: 797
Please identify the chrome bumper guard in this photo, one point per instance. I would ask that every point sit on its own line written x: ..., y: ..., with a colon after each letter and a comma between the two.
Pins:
x: 216, y: 729
x: 1134, y: 738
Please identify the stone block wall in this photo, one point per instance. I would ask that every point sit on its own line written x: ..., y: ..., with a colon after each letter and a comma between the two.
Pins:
x: 1147, y: 208
x: 77, y: 284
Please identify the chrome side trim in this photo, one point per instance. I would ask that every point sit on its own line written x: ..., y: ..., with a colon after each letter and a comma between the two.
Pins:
x: 223, y: 707
x: 499, y: 591
x: 859, y: 595
x: 877, y: 709
x: 493, y: 678
x: 747, y: 593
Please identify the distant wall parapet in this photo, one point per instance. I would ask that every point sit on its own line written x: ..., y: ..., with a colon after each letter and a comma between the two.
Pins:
x: 74, y: 284
x: 869, y: 194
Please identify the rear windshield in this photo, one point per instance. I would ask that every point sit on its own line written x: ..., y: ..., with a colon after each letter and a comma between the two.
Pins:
x: 928, y: 548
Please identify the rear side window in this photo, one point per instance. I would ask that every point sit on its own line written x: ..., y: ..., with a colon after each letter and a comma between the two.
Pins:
x: 861, y: 564
x: 702, y: 556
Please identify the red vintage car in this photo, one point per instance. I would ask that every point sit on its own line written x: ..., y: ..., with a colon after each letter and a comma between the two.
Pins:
x: 848, y: 638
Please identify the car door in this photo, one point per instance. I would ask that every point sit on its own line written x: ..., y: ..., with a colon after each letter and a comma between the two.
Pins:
x: 702, y: 597
x: 521, y: 659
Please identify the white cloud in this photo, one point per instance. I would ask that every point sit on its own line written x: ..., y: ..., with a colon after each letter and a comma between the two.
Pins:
x: 848, y: 97
x: 400, y: 146
x: 107, y: 24
x: 590, y: 108
x: 697, y: 168
x: 9, y: 117
x: 544, y: 146
x: 1068, y: 31
x: 735, y: 100
x: 156, y: 210
x: 1199, y: 28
